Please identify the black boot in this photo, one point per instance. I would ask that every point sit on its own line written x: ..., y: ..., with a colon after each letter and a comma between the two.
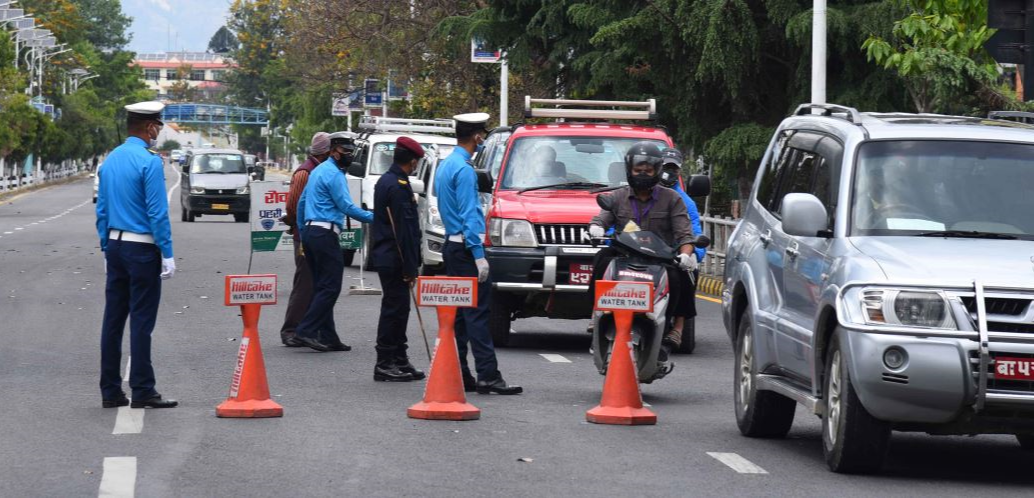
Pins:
x: 386, y: 370
x: 403, y: 364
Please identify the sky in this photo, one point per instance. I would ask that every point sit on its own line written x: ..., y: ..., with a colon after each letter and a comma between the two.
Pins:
x: 161, y: 25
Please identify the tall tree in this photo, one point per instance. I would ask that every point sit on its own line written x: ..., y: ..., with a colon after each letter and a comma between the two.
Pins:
x: 223, y: 41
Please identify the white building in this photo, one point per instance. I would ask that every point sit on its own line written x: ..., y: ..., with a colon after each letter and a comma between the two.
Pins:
x: 200, y: 70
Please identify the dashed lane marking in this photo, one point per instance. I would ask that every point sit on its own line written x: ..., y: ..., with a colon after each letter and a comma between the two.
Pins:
x: 119, y: 478
x: 554, y: 358
x: 128, y: 420
x: 737, y: 463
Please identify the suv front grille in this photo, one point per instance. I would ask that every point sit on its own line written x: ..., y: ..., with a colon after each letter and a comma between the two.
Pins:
x: 227, y: 191
x: 566, y: 235
x: 1001, y: 385
x: 998, y: 305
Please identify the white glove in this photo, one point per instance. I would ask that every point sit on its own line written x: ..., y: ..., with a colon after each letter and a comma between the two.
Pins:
x: 482, y: 265
x: 596, y: 231
x: 168, y: 268
x: 688, y: 262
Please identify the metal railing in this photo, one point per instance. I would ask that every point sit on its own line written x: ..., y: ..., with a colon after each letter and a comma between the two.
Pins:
x: 719, y: 230
x: 12, y: 183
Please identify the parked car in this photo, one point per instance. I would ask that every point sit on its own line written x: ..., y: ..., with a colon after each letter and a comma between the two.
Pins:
x: 175, y: 155
x: 543, y: 197
x: 375, y: 147
x: 881, y: 278
x: 215, y: 181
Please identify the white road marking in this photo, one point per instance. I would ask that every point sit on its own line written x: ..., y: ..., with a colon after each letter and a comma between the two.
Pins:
x: 554, y: 358
x: 179, y: 178
x: 8, y: 233
x: 129, y: 421
x: 737, y: 463
x: 119, y: 478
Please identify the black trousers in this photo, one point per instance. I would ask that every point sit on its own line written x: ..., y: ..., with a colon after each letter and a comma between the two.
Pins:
x: 472, y: 323
x: 391, y: 328
x: 323, y: 252
x: 133, y: 290
x: 301, y: 292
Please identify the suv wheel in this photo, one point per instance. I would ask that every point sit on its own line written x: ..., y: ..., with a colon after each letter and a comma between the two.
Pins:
x: 853, y: 441
x: 499, y: 318
x: 689, y: 337
x: 183, y: 214
x: 758, y: 413
x: 190, y: 216
x: 242, y: 217
x: 1026, y: 441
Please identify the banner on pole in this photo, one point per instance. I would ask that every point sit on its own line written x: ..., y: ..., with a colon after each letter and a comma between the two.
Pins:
x: 351, y: 238
x: 268, y: 205
x: 480, y: 52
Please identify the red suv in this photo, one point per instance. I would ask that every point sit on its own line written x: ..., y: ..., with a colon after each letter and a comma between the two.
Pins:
x: 543, y: 197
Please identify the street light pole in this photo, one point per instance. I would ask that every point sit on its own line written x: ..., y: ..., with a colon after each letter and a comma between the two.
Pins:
x: 818, y: 53
x: 504, y: 92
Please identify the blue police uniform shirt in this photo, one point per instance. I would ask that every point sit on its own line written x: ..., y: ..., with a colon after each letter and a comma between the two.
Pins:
x: 458, y: 201
x: 131, y: 195
x: 694, y: 218
x: 327, y: 199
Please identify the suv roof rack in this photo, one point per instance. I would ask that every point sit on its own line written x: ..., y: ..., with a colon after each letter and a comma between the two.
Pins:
x: 648, y: 114
x: 406, y: 125
x: 1021, y: 116
x: 829, y: 110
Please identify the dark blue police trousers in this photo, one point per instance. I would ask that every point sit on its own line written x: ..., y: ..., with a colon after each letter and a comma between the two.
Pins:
x: 472, y: 323
x: 134, y: 290
x: 327, y: 263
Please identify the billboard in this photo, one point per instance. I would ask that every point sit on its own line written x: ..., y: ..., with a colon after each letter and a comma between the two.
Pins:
x: 268, y: 205
x: 481, y: 52
x: 371, y: 88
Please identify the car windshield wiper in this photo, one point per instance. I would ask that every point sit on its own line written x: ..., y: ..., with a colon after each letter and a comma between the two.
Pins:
x: 565, y: 184
x: 606, y: 189
x: 969, y: 234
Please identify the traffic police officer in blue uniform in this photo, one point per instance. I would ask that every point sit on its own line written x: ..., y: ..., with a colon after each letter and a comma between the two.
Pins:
x: 324, y: 205
x: 136, y: 238
x: 396, y: 257
x: 464, y: 253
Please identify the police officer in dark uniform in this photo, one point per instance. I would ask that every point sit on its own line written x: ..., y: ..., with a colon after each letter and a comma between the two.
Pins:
x: 396, y: 257
x: 136, y: 238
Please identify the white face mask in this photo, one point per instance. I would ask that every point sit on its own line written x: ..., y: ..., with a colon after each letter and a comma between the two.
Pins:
x: 152, y: 142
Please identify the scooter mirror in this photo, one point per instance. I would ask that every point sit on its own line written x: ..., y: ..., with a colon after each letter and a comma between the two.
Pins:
x: 605, y: 202
x: 702, y: 241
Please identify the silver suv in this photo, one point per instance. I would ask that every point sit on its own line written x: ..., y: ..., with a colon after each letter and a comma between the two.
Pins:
x: 883, y: 277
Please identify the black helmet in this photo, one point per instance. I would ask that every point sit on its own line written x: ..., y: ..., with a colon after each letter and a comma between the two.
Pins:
x: 671, y: 167
x: 639, y: 153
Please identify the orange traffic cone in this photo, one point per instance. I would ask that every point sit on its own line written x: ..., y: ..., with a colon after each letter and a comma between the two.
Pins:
x: 443, y: 397
x: 622, y: 403
x: 249, y: 390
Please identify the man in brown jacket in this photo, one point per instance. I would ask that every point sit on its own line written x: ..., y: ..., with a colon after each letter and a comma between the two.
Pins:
x: 301, y: 291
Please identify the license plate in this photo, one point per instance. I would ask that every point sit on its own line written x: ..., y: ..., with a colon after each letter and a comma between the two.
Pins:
x: 221, y: 206
x: 580, y: 274
x: 1014, y: 368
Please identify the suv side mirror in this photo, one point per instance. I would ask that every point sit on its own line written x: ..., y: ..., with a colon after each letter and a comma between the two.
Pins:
x: 357, y: 169
x: 484, y: 182
x: 185, y: 168
x: 803, y: 215
x: 698, y: 186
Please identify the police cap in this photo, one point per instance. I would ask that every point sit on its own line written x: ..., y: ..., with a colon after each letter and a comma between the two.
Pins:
x: 471, y: 123
x: 145, y: 111
x: 410, y: 145
x: 344, y: 138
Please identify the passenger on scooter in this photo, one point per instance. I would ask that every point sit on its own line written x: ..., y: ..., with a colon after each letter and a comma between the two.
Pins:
x: 661, y: 211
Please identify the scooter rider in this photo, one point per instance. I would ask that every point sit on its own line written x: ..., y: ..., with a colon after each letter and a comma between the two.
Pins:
x: 656, y: 209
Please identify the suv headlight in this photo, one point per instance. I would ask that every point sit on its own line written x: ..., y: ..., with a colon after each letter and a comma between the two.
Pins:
x: 197, y: 190
x: 243, y: 190
x: 911, y: 308
x: 511, y: 233
x: 434, y: 220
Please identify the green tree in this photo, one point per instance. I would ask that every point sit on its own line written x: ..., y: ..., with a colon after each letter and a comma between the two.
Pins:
x: 223, y: 41
x: 169, y: 145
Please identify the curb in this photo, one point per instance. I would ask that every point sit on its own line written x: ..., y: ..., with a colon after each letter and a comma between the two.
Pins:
x: 712, y: 286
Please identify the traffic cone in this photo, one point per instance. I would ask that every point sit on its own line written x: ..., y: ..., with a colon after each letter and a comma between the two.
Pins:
x: 249, y: 390
x: 622, y: 403
x: 444, y: 398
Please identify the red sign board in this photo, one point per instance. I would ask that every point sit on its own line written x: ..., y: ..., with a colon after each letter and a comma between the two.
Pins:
x: 460, y: 292
x: 624, y: 296
x: 250, y: 289
x: 1014, y: 368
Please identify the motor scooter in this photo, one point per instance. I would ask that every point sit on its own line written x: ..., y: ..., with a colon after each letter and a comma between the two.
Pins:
x: 642, y: 257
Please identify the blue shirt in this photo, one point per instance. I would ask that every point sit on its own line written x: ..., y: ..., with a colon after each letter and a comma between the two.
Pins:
x: 326, y: 197
x: 458, y: 201
x: 131, y: 195
x: 694, y: 218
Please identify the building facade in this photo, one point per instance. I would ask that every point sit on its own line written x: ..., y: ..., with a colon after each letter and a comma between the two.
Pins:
x: 176, y: 75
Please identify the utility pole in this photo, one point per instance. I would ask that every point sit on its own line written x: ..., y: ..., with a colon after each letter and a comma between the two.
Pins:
x: 504, y: 92
x: 818, y: 53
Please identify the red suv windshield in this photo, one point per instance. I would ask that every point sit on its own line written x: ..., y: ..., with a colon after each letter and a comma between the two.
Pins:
x: 539, y: 161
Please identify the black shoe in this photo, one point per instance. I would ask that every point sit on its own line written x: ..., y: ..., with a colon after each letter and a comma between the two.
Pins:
x: 115, y: 403
x: 339, y: 347
x: 290, y: 340
x: 469, y: 383
x: 497, y: 386
x: 389, y: 372
x: 406, y: 367
x: 155, y: 402
x: 311, y: 343
x: 667, y: 346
